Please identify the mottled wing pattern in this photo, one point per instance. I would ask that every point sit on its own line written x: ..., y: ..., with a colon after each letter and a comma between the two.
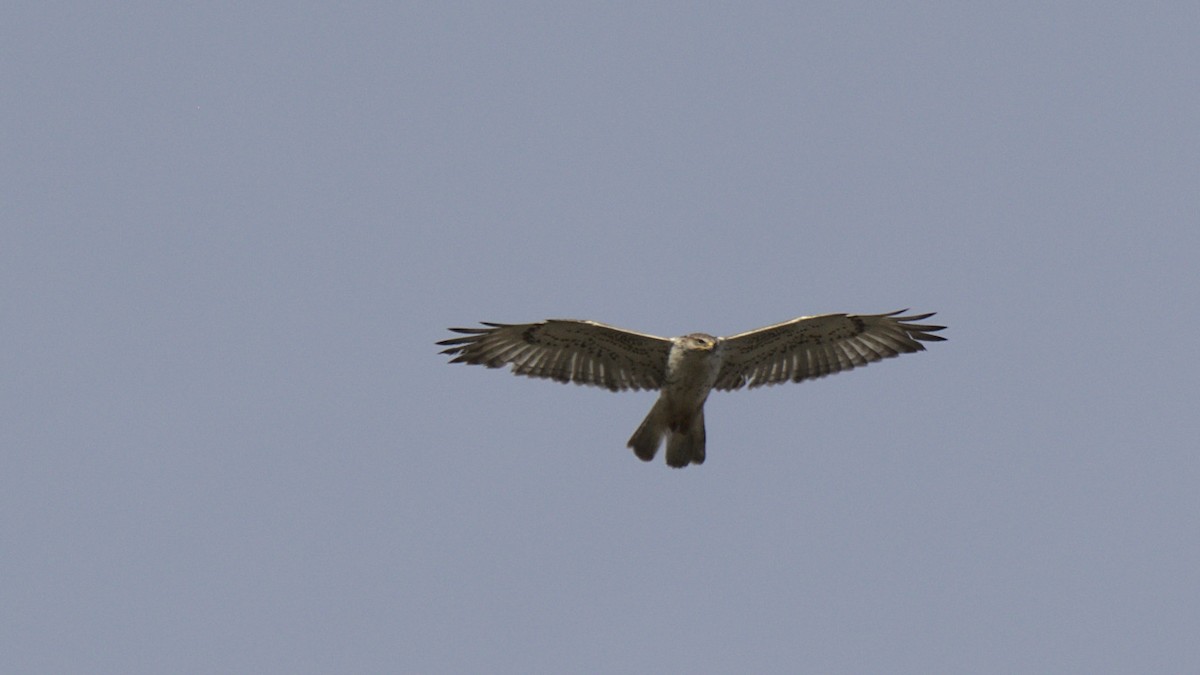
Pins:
x: 816, y: 346
x: 583, y: 352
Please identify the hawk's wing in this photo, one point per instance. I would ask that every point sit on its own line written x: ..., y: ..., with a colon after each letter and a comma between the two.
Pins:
x: 816, y: 346
x: 583, y: 352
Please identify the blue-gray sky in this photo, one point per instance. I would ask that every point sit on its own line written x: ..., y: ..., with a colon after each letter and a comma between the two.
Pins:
x: 234, y: 231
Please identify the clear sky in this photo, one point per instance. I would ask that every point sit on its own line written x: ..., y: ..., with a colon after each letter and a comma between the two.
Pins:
x: 232, y: 233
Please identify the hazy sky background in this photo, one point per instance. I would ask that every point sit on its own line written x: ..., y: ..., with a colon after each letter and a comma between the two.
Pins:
x: 234, y: 231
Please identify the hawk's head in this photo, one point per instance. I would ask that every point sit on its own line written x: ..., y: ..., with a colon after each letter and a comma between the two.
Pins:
x: 700, y: 342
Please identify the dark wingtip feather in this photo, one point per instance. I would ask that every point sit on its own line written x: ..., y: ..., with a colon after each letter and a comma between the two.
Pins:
x: 469, y: 336
x: 919, y: 331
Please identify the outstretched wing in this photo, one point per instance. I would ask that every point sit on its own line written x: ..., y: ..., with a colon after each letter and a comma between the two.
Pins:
x: 816, y: 346
x: 583, y: 352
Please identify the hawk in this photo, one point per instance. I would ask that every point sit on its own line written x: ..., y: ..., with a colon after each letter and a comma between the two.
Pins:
x: 685, y: 369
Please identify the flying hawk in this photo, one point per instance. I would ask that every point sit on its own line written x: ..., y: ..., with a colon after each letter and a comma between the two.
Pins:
x: 685, y: 369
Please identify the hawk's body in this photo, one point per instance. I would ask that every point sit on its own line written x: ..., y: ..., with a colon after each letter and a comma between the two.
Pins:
x: 693, y: 364
x: 685, y: 369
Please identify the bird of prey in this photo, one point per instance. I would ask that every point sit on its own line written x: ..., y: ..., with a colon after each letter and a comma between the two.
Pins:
x: 685, y: 369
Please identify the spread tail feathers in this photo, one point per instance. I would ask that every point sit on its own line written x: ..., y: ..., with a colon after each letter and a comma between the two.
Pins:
x: 685, y: 442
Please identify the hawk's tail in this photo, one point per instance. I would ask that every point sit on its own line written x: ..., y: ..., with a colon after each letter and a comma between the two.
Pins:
x: 647, y: 437
x: 686, y: 445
